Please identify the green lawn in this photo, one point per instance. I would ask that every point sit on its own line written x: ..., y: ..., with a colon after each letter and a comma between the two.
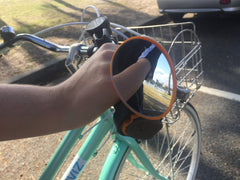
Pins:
x: 33, y: 15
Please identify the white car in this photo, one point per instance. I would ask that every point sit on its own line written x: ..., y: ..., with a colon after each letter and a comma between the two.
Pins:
x: 196, y: 6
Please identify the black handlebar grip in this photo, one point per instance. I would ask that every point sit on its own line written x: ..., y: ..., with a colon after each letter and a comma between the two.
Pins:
x: 7, y: 33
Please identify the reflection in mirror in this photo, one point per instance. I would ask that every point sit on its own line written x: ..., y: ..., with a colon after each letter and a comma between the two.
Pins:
x: 156, y: 95
x: 157, y: 91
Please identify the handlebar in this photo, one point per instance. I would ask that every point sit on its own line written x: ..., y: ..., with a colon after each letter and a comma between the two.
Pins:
x: 35, y: 40
x: 99, y: 29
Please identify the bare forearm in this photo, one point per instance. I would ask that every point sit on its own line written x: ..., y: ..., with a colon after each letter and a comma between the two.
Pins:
x: 28, y: 111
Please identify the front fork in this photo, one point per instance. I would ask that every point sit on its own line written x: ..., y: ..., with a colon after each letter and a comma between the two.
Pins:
x: 122, y: 146
x: 85, y: 153
x: 89, y: 147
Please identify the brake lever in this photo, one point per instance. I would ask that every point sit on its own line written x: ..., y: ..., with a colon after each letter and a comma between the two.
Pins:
x: 76, y: 56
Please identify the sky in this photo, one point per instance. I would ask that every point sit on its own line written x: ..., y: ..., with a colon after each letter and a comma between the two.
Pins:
x: 162, y: 70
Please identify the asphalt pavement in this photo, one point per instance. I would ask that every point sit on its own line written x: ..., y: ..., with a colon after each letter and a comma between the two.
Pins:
x: 220, y: 117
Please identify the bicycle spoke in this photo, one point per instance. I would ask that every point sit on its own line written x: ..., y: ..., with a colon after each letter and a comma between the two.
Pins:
x: 175, y: 157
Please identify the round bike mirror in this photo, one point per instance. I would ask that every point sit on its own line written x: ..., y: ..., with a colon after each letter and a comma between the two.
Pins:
x: 155, y: 97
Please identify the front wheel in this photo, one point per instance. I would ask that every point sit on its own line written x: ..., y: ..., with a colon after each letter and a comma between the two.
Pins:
x: 174, y: 151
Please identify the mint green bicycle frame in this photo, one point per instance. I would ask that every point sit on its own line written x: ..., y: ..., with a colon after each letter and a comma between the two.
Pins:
x: 122, y: 145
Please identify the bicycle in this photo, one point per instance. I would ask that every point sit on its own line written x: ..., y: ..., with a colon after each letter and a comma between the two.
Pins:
x: 174, y: 152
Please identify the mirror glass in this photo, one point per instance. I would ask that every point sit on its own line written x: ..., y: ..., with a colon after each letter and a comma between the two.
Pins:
x: 156, y: 95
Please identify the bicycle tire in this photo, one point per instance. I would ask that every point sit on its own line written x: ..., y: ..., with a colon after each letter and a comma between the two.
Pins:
x: 185, y: 143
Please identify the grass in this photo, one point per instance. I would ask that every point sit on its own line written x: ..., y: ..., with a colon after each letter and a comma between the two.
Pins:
x: 157, y: 95
x: 33, y: 15
x: 30, y: 16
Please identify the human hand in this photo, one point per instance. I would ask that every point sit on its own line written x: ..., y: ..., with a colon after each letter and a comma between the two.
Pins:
x: 90, y: 91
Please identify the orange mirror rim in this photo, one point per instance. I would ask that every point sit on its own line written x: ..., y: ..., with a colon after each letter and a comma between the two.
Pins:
x: 163, y: 50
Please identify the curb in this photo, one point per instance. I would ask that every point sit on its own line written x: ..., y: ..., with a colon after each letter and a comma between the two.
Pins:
x: 55, y: 68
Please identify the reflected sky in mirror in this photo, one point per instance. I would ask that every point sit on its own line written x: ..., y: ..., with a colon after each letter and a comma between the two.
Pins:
x: 162, y: 70
x: 157, y: 95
